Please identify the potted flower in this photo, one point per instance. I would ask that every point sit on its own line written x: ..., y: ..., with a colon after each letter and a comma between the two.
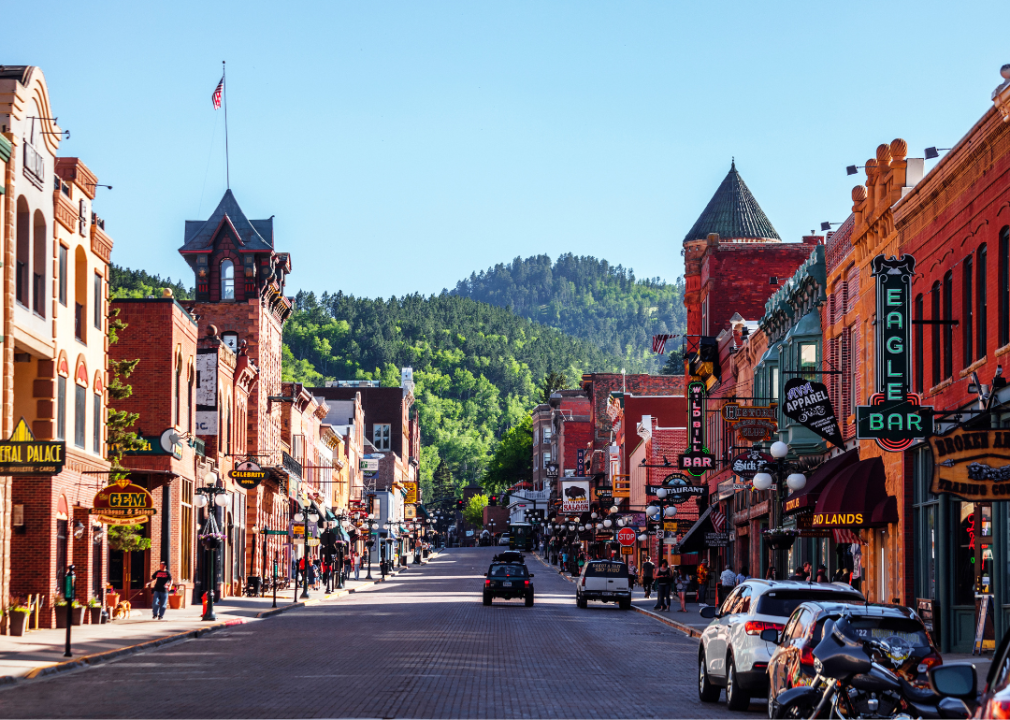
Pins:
x: 77, y: 613
x: 95, y: 610
x: 111, y: 597
x: 61, y: 612
x: 17, y: 618
x: 780, y: 538
x: 212, y: 540
x: 175, y: 597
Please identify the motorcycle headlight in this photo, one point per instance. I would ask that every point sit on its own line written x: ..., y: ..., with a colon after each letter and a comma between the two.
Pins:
x: 817, y: 665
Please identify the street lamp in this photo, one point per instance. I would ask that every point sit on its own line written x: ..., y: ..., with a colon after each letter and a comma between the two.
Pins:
x: 794, y: 479
x: 211, y: 537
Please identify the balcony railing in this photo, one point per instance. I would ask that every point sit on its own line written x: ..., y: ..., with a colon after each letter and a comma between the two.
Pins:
x: 291, y: 465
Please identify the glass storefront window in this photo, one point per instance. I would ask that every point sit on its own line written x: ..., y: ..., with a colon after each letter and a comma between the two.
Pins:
x: 808, y: 360
x: 964, y: 552
x: 925, y: 513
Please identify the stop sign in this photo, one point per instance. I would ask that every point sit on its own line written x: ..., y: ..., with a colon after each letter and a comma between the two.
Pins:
x: 626, y: 536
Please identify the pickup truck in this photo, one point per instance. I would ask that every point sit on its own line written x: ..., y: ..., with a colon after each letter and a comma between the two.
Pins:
x: 606, y: 581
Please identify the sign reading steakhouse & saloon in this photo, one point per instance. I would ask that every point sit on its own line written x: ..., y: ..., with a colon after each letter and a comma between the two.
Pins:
x: 123, y: 503
x: 807, y: 403
x: 972, y: 464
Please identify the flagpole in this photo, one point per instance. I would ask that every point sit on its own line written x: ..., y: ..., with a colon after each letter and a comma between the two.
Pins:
x: 227, y: 165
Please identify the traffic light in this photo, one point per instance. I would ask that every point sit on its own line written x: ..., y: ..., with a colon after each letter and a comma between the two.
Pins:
x: 459, y: 505
x: 493, y: 501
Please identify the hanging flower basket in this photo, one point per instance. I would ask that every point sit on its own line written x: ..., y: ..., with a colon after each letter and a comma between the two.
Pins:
x: 780, y: 539
x: 212, y: 541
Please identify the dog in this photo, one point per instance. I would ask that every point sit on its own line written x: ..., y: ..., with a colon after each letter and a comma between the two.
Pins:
x: 122, y: 611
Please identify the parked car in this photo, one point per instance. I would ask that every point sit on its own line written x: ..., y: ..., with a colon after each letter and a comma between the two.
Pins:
x: 504, y: 539
x: 606, y: 581
x: 792, y: 663
x: 732, y: 654
x: 508, y: 580
x: 995, y: 699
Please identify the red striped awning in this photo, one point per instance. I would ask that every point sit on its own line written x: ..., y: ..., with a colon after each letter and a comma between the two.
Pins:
x: 844, y: 535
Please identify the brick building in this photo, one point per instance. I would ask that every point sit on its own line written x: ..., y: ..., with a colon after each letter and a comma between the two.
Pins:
x: 544, y: 454
x: 571, y: 430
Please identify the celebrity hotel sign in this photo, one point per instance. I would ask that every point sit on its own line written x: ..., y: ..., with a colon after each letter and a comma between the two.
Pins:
x: 893, y: 416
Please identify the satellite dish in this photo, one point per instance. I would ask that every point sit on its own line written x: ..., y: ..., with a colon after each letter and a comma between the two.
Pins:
x: 169, y: 439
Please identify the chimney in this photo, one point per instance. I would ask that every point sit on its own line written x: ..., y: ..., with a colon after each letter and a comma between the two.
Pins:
x: 813, y: 239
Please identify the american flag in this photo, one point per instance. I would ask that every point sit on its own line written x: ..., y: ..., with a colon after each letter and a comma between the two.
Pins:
x: 843, y: 535
x: 659, y: 343
x: 218, y: 92
x: 718, y: 520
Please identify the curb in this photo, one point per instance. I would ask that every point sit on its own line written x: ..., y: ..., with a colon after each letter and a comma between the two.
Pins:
x: 96, y: 658
x: 686, y: 629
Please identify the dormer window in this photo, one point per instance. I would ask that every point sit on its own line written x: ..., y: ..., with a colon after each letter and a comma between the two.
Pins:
x: 230, y: 339
x: 227, y: 280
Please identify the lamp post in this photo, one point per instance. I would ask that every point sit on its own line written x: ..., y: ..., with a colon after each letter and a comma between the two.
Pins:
x: 372, y: 527
x: 307, y: 515
x: 764, y: 481
x: 208, y: 496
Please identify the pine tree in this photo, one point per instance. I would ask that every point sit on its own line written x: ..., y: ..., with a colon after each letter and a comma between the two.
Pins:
x: 121, y: 438
x: 442, y: 485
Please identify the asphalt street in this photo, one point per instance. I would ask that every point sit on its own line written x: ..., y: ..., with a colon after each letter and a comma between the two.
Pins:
x: 420, y: 645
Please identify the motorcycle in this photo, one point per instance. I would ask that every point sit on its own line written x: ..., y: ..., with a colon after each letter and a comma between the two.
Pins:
x: 851, y: 683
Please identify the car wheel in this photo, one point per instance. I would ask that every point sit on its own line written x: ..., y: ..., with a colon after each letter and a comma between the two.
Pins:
x: 487, y: 599
x: 707, y: 692
x: 736, y: 698
x: 529, y: 599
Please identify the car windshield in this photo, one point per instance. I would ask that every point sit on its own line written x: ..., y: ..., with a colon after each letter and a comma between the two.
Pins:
x: 877, y: 628
x: 503, y: 571
x: 783, y: 602
x: 606, y: 569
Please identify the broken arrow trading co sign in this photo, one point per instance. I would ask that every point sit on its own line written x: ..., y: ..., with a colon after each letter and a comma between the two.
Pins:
x: 699, y: 460
x: 807, y: 403
x: 893, y: 416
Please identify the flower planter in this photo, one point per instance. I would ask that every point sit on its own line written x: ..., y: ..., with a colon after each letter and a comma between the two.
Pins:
x: 77, y: 615
x: 18, y: 621
x: 780, y: 541
x: 61, y: 617
x: 175, y: 602
x: 96, y: 615
x: 111, y: 599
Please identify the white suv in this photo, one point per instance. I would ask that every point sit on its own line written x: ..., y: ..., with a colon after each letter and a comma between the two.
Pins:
x: 732, y: 653
x: 604, y: 580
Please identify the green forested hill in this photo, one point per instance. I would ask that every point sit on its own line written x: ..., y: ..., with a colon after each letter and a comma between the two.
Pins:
x: 588, y: 298
x: 477, y: 367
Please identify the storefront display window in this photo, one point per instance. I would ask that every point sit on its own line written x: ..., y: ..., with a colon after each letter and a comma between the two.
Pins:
x: 964, y: 552
x: 926, y: 512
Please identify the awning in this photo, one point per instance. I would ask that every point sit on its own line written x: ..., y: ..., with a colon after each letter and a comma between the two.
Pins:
x: 857, y: 497
x: 342, y: 534
x: 694, y: 540
x: 818, y: 481
x: 423, y: 512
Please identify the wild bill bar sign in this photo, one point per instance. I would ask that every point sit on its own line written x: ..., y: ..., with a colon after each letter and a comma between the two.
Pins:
x: 893, y: 416
x: 698, y: 461
x: 807, y: 403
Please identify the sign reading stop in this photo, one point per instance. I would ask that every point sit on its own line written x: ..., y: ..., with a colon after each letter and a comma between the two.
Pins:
x: 626, y: 536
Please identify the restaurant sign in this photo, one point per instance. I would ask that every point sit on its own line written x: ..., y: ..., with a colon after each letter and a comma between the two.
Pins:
x: 892, y: 415
x: 123, y: 503
x: 807, y: 403
x: 248, y: 474
x: 698, y: 460
x: 24, y: 455
x: 680, y: 489
x: 972, y: 464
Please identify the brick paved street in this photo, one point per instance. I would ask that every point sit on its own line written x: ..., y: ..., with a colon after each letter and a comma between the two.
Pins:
x: 421, y: 645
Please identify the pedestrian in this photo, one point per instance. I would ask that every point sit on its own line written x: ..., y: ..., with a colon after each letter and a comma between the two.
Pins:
x: 798, y: 575
x: 313, y: 576
x: 161, y: 580
x: 564, y: 559
x: 682, y: 581
x: 770, y: 574
x: 632, y: 573
x: 356, y: 564
x: 822, y: 574
x: 347, y: 567
x: 727, y: 580
x: 806, y: 570
x: 703, y: 582
x: 582, y: 562
x: 663, y: 579
x: 647, y: 576
x: 742, y: 575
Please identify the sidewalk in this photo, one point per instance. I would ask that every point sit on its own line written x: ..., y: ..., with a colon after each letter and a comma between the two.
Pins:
x: 40, y: 652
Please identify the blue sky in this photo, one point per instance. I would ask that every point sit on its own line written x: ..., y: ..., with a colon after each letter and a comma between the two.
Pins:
x: 403, y: 145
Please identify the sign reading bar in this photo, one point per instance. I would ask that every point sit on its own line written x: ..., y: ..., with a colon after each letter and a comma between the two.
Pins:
x: 807, y: 403
x: 893, y: 416
x: 750, y: 463
x: 24, y: 455
x: 972, y: 464
x: 123, y: 503
x: 248, y: 474
x: 699, y: 460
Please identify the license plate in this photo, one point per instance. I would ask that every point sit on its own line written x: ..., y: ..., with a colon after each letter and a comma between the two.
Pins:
x: 506, y: 584
x: 607, y: 594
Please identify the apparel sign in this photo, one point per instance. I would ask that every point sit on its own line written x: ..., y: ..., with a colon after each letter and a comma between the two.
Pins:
x: 807, y: 403
x: 679, y: 488
x: 24, y: 455
x: 575, y: 496
x: 893, y: 416
x: 123, y: 503
x: 248, y: 474
x: 698, y: 461
x: 750, y: 463
x: 972, y: 464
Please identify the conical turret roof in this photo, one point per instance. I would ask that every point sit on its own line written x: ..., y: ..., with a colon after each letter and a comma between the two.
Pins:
x: 734, y: 214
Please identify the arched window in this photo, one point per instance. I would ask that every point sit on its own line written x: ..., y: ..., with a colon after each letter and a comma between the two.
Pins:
x: 981, y: 337
x: 23, y: 253
x: 231, y: 340
x: 934, y: 300
x: 227, y: 280
x: 39, y: 263
x: 81, y: 294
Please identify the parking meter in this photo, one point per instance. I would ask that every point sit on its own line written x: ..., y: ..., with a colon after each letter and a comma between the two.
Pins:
x: 69, y: 580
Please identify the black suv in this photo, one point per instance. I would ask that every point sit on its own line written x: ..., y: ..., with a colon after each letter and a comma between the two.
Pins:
x: 508, y: 580
x: 509, y: 556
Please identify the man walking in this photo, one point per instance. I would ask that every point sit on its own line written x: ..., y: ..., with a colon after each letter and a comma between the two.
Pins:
x: 703, y: 582
x: 648, y: 572
x: 161, y: 580
x: 728, y: 581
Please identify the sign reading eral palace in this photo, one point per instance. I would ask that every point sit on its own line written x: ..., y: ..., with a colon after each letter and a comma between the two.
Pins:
x: 22, y: 454
x: 972, y: 464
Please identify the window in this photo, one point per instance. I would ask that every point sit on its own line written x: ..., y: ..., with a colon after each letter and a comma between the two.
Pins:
x: 177, y: 416
x: 536, y: 436
x: 935, y: 334
x: 918, y: 344
x: 948, y: 330
x: 23, y: 253
x: 227, y: 280
x: 39, y: 264
x: 97, y: 429
x: 61, y: 408
x: 981, y: 337
x: 1004, y: 286
x: 80, y: 294
x: 968, y: 308
x: 547, y: 458
x: 63, y: 275
x: 230, y: 339
x: 79, y: 415
x: 547, y: 435
x: 536, y: 461
x: 98, y: 301
x: 808, y: 360
x: 775, y: 383
x: 380, y: 436
x: 187, y: 532
x: 189, y: 402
